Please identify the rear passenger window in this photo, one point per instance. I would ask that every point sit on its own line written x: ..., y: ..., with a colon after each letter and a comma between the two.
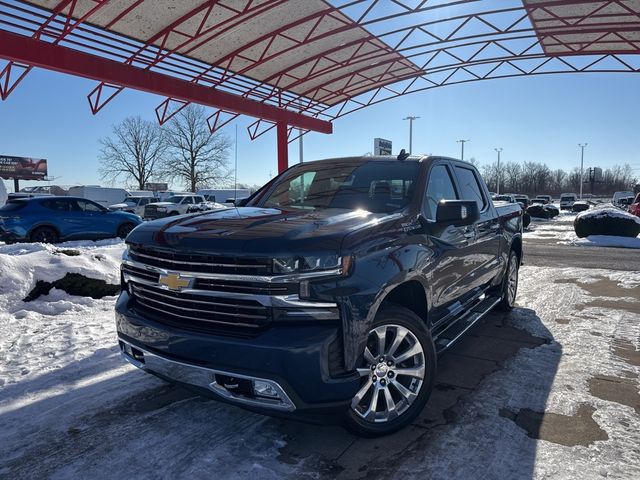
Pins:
x: 470, y: 188
x: 58, y: 205
x: 439, y: 187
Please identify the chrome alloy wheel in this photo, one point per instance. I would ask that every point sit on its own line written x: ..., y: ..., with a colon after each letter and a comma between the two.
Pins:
x: 512, y: 280
x: 393, y: 372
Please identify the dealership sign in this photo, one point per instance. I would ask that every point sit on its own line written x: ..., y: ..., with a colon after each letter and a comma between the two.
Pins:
x: 23, y: 168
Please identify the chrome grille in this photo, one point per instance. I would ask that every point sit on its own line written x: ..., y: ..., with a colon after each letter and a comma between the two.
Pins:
x: 201, y: 263
x: 201, y: 312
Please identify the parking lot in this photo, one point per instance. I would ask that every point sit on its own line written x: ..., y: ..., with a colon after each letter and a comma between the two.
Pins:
x: 548, y: 390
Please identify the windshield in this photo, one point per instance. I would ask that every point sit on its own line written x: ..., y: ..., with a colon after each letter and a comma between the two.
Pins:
x: 173, y: 199
x: 375, y: 186
x: 567, y: 199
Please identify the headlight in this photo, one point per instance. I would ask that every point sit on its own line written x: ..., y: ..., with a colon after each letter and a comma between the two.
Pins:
x: 311, y: 263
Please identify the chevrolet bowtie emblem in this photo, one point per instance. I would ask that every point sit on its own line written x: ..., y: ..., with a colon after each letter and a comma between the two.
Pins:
x: 173, y: 281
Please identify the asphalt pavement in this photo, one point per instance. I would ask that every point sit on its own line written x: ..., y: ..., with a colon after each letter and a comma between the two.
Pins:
x: 544, y: 253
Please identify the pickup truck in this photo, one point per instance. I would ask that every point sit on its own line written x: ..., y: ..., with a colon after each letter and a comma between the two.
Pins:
x: 133, y: 205
x: 174, y: 205
x: 329, y: 294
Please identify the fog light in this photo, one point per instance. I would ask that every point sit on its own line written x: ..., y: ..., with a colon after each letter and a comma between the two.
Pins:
x: 264, y: 389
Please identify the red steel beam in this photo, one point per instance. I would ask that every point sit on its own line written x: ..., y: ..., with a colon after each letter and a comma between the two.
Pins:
x: 62, y: 59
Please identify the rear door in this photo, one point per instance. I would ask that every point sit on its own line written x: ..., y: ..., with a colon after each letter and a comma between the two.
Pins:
x: 484, y: 258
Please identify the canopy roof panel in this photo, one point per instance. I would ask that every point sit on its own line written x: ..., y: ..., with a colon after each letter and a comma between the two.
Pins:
x: 327, y: 58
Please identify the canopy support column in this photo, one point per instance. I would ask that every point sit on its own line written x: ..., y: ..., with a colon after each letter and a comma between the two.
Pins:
x: 283, y: 147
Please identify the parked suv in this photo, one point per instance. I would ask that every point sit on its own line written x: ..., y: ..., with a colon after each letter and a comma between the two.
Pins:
x: 53, y: 219
x: 328, y: 295
x: 175, y: 205
x: 133, y: 205
x: 567, y: 200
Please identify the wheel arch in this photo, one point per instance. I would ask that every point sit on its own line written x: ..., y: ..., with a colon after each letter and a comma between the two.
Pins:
x: 516, y: 245
x: 40, y: 225
x: 410, y: 294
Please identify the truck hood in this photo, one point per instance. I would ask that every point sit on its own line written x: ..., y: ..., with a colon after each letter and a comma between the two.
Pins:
x: 162, y: 204
x: 257, y: 231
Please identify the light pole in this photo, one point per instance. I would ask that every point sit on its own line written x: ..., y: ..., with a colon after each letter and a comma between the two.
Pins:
x: 582, y: 145
x: 411, y: 119
x: 462, y: 142
x: 499, y: 150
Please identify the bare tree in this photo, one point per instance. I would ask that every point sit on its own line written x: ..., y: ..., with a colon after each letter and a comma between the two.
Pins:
x: 134, y: 151
x: 198, y: 158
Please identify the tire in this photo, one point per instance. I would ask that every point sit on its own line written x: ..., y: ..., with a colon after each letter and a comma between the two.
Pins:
x: 125, y: 229
x: 44, y: 235
x: 381, y: 378
x: 510, y: 283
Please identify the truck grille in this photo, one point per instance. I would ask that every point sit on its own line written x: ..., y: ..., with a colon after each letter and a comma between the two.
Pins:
x: 227, y: 286
x: 201, y: 263
x: 199, y: 312
x: 151, y: 212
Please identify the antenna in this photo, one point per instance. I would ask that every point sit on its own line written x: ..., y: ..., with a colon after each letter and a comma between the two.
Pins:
x: 403, y: 155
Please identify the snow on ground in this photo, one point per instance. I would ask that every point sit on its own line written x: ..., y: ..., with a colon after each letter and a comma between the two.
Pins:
x: 71, y: 408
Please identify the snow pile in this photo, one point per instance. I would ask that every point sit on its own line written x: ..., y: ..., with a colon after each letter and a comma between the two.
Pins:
x: 607, y: 211
x: 3, y: 193
x: 22, y: 265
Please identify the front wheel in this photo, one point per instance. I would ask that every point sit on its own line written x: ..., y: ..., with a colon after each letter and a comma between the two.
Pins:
x: 397, y: 373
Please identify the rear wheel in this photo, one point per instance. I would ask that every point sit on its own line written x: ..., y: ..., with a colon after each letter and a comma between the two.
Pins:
x: 44, y: 235
x: 125, y: 229
x: 397, y: 373
x: 510, y: 283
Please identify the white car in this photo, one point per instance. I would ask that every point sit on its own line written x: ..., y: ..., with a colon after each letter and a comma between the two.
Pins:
x: 175, y: 205
x: 133, y: 205
x: 567, y: 200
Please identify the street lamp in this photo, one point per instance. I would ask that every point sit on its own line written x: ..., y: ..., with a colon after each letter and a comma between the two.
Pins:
x: 462, y: 142
x: 499, y: 150
x: 581, y: 145
x: 411, y: 119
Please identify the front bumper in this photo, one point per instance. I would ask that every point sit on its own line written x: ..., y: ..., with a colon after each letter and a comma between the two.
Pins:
x: 292, y: 359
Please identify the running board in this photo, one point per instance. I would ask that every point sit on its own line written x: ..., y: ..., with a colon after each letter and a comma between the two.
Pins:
x: 447, y: 336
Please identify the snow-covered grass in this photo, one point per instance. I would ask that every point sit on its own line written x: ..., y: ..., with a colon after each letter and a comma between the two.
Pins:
x: 607, y: 241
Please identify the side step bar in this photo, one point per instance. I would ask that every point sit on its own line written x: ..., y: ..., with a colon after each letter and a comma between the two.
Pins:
x: 445, y: 337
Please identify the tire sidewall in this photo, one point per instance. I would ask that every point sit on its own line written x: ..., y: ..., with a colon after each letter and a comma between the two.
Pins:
x: 406, y: 318
x: 54, y: 234
x: 504, y: 303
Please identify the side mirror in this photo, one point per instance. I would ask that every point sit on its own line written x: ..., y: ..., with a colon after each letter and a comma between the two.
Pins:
x: 457, y: 212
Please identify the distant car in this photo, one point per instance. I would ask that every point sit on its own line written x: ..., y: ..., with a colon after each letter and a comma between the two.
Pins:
x: 547, y: 198
x: 567, y: 200
x: 618, y: 196
x: 523, y: 200
x: 133, y: 205
x: 175, y: 205
x: 55, y: 219
x: 580, y: 206
x: 504, y: 198
x: 624, y: 202
x: 634, y: 208
x: 539, y: 201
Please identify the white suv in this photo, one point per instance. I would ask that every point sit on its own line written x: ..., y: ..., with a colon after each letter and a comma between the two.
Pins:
x: 567, y: 200
x: 176, y: 205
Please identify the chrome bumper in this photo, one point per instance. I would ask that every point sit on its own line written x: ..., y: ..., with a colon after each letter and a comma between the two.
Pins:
x: 205, y: 378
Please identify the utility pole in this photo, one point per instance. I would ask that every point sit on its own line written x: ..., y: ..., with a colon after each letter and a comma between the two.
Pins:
x: 499, y: 150
x: 411, y: 119
x: 581, y: 145
x: 300, y: 147
x: 462, y: 142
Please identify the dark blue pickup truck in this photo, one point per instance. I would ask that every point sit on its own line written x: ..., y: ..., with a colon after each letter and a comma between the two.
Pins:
x: 329, y: 294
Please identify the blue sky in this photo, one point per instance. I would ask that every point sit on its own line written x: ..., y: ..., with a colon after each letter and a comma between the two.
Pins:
x: 539, y: 118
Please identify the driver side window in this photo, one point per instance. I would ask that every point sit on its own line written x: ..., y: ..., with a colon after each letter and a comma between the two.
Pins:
x: 439, y: 187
